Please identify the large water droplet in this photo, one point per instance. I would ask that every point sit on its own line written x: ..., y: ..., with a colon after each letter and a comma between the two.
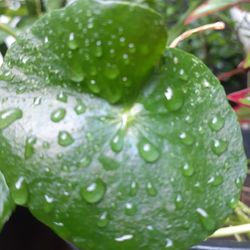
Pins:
x: 80, y: 108
x: 117, y: 142
x: 219, y: 147
x: 233, y: 203
x: 187, y: 170
x: 216, y: 123
x: 9, y: 116
x: 174, y: 99
x: 216, y: 180
x: 72, y: 43
x: 112, y: 72
x: 58, y: 115
x: 65, y: 139
x: 103, y: 220
x: 29, y: 147
x: 133, y: 188
x: 20, y: 192
x: 207, y: 222
x: 77, y: 75
x: 108, y: 163
x: 148, y: 151
x: 186, y: 139
x: 151, y: 189
x: 94, y: 192
x: 130, y: 209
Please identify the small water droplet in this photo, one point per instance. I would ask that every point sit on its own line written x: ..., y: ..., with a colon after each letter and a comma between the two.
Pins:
x: 179, y: 201
x: 84, y: 162
x: 124, y: 238
x: 29, y: 147
x: 207, y: 222
x: 65, y: 139
x: 108, y: 163
x: 80, y: 108
x: 174, y: 99
x: 117, y: 142
x: 148, y: 151
x: 151, y: 189
x: 112, y: 72
x: 132, y: 48
x: 169, y: 244
x: 130, y: 209
x: 58, y: 115
x: 62, y: 97
x: 186, y: 139
x: 233, y: 203
x: 216, y: 123
x: 187, y: 170
x: 219, y: 147
x: 77, y: 75
x: 94, y: 192
x: 9, y: 116
x: 239, y: 182
x: 216, y: 180
x: 94, y: 88
x: 72, y: 43
x: 20, y: 192
x: 133, y: 188
x: 103, y: 220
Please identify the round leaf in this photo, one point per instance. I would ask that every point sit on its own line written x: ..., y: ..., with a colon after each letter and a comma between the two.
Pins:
x: 161, y: 173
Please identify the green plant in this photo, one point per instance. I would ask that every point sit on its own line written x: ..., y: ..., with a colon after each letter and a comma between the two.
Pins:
x: 114, y: 140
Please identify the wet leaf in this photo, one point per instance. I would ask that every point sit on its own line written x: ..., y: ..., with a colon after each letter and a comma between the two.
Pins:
x: 156, y: 171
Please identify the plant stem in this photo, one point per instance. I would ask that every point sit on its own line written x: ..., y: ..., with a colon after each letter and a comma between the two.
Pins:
x: 231, y: 231
x: 187, y: 34
x: 6, y: 29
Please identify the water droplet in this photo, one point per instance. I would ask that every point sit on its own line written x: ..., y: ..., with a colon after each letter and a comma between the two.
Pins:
x: 187, y: 170
x: 219, y: 147
x: 94, y: 87
x: 169, y: 244
x: 9, y: 116
x: 103, y: 220
x: 124, y: 238
x: 80, y: 108
x: 65, y: 139
x: 77, y: 75
x: 133, y: 188
x: 58, y: 115
x: 130, y: 209
x: 207, y: 222
x: 72, y: 43
x: 148, y: 151
x: 62, y: 97
x: 112, y: 72
x: 94, y: 192
x: 216, y: 123
x: 98, y: 51
x: 233, y: 203
x: 29, y: 147
x: 239, y: 182
x: 20, y: 192
x: 179, y: 201
x: 84, y: 162
x: 216, y: 180
x: 117, y: 142
x: 151, y: 189
x: 186, y: 139
x: 174, y: 99
x: 132, y: 48
x: 108, y: 163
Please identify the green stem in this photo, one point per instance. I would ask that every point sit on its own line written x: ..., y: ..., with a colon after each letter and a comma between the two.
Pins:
x: 6, y: 29
x: 231, y: 231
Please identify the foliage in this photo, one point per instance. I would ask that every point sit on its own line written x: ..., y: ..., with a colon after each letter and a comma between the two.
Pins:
x: 99, y: 123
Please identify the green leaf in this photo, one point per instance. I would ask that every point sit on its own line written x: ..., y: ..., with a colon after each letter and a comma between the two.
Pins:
x: 162, y: 172
x: 53, y: 4
x: 6, y: 203
x: 210, y: 7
